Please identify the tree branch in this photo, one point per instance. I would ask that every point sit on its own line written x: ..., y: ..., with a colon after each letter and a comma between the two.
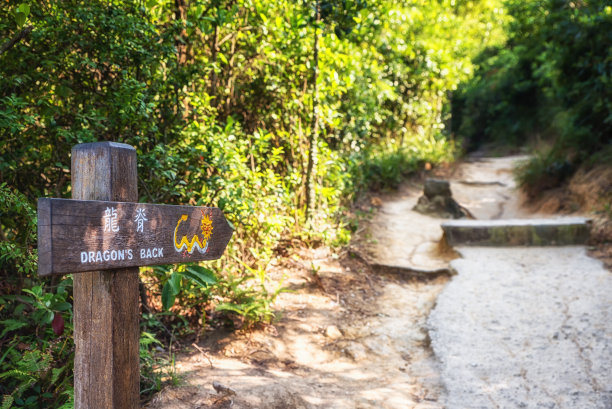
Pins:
x: 18, y: 37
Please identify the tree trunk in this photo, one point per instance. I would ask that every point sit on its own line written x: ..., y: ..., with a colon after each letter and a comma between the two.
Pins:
x: 213, y: 80
x: 183, y: 49
x: 180, y: 14
x: 312, y: 140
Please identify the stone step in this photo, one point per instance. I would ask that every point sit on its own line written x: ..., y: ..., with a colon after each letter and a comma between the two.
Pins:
x: 518, y: 232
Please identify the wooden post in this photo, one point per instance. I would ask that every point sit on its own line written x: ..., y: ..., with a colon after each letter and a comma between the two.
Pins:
x: 106, y: 332
x: 104, y: 235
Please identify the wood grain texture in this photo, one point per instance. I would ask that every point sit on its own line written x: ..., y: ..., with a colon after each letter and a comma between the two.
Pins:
x: 106, y: 332
x: 99, y: 235
x: 44, y: 233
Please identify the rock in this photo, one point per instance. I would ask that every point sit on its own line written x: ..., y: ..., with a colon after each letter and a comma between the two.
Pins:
x: 223, y: 390
x: 436, y: 187
x: 437, y: 201
x: 333, y: 332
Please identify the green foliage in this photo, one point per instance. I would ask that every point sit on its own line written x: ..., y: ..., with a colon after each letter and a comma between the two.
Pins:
x: 215, y: 96
x: 497, y: 104
x: 35, y: 361
x: 248, y: 295
x: 189, y: 278
x: 550, y: 81
x: 156, y: 367
x: 21, y: 14
x: 35, y: 367
x: 19, y: 235
x: 543, y: 172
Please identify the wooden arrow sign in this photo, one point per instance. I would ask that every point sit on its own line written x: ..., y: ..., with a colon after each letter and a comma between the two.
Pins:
x: 90, y: 235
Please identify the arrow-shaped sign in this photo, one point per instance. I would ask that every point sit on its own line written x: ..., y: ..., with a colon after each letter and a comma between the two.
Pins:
x: 89, y: 235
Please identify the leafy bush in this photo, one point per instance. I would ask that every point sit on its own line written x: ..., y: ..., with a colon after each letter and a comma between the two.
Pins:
x: 37, y: 347
x: 543, y: 172
x: 550, y: 81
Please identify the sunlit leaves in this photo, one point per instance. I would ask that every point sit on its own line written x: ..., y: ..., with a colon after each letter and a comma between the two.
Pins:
x: 216, y: 97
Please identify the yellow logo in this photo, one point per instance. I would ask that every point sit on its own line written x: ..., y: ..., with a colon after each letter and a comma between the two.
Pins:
x: 189, y: 245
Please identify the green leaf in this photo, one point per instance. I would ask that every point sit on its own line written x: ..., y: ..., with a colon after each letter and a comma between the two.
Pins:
x: 11, y: 325
x: 7, y: 402
x: 167, y: 296
x: 66, y: 283
x: 230, y: 307
x: 20, y: 19
x: 162, y: 270
x: 21, y: 14
x: 48, y: 317
x: 175, y: 282
x: 146, y: 338
x: 222, y: 58
x: 55, y: 373
x: 63, y: 306
x: 35, y: 291
x: 200, y: 275
x: 24, y: 8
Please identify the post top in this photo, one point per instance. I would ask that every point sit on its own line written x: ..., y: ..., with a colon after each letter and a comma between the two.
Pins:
x: 106, y: 144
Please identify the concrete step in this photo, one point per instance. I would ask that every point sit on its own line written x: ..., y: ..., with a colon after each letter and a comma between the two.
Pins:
x: 518, y: 232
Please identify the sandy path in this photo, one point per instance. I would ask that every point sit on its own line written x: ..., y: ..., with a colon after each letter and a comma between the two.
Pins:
x: 357, y: 343
x: 355, y: 337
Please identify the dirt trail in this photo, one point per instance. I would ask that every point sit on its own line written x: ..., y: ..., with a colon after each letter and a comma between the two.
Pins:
x: 352, y: 331
x: 354, y: 341
x: 487, y: 188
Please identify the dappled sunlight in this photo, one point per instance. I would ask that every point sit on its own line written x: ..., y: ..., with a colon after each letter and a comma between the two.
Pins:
x: 311, y: 126
x: 334, y: 348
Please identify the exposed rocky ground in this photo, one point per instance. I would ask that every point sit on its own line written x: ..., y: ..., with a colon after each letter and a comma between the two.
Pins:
x: 525, y: 328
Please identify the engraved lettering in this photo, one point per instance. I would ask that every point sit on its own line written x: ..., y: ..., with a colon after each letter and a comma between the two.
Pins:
x: 110, y: 220
x: 140, y: 219
x: 108, y: 255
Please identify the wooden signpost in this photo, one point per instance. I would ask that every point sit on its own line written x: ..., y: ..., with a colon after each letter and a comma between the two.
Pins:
x: 88, y: 235
x: 104, y: 235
